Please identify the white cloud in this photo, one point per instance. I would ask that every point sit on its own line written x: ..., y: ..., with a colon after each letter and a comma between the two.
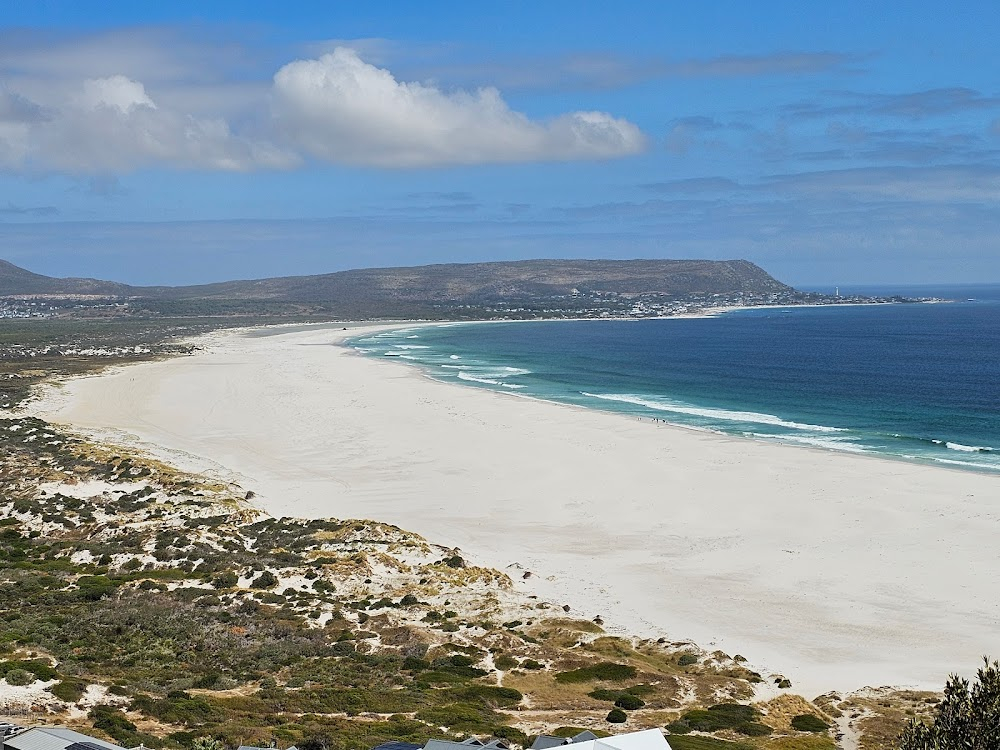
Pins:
x: 336, y: 108
x: 342, y: 109
x: 117, y: 92
x: 113, y: 125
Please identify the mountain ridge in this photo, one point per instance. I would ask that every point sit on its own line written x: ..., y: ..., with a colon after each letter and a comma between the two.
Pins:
x: 455, y: 281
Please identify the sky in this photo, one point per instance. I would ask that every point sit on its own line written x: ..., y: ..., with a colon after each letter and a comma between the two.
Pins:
x: 186, y: 142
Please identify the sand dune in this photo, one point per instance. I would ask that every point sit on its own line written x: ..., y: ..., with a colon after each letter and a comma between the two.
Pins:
x: 836, y: 570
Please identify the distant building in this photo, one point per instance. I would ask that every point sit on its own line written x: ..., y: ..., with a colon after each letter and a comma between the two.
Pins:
x: 472, y: 742
x: 53, y: 738
x: 651, y: 739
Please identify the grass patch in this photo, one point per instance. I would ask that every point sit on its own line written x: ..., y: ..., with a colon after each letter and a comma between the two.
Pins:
x: 604, y: 671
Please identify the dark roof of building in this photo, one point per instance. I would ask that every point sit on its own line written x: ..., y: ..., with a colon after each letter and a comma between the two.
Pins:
x: 547, y: 741
x: 55, y: 738
x: 493, y: 744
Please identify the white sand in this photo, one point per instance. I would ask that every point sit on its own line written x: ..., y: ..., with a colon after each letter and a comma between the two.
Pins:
x: 836, y: 570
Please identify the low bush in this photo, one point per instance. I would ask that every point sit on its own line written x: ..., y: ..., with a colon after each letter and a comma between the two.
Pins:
x: 511, y: 734
x: 605, y: 671
x: 19, y: 677
x: 68, y: 690
x: 809, y: 723
x: 226, y: 580
x: 678, y: 727
x: 505, y: 662
x: 720, y: 716
x: 265, y: 580
x: 687, y: 659
x: 629, y: 702
x: 754, y: 729
x: 616, y: 716
x: 40, y: 668
x: 94, y: 588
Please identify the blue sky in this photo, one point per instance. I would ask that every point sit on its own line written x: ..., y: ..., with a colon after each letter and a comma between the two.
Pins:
x: 184, y: 142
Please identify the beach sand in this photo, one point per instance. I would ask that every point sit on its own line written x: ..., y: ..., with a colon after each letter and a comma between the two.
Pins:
x: 838, y: 571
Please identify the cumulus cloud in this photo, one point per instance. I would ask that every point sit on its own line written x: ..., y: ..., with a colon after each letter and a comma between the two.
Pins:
x: 336, y: 108
x: 113, y: 125
x: 342, y: 109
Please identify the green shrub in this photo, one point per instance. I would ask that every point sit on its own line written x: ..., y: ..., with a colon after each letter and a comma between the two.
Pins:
x: 809, y: 723
x: 532, y: 664
x: 754, y: 729
x: 606, y: 671
x: 512, y: 734
x: 226, y: 580
x: 721, y: 716
x: 40, y: 668
x: 94, y: 588
x: 603, y: 694
x: 19, y: 677
x: 504, y: 662
x: 629, y: 702
x: 967, y: 717
x: 68, y: 690
x: 678, y: 727
x: 265, y: 580
x: 415, y: 664
x: 616, y: 716
x: 112, y: 721
x: 687, y: 659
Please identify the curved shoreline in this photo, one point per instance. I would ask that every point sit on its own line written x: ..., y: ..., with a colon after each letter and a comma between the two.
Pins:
x: 836, y: 571
x: 431, y: 371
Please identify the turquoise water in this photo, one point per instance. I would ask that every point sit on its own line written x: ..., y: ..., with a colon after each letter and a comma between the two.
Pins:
x: 917, y: 382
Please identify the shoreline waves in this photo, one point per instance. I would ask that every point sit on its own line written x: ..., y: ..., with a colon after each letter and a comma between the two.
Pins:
x: 770, y: 378
x: 834, y: 569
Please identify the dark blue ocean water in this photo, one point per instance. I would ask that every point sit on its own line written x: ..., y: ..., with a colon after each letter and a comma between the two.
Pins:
x: 918, y: 382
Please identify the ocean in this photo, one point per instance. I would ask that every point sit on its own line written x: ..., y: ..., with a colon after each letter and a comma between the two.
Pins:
x: 915, y: 382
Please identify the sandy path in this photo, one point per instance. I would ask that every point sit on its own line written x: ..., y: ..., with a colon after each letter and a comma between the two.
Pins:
x: 837, y: 570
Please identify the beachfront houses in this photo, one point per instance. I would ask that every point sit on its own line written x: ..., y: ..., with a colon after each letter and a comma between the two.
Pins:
x: 650, y: 739
x: 51, y: 738
x: 60, y: 738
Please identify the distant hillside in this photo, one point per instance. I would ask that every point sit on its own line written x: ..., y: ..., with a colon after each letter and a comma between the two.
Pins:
x: 486, y: 282
x: 529, y: 287
x: 15, y: 280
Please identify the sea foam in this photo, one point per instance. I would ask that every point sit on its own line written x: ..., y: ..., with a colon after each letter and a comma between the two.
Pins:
x: 726, y: 415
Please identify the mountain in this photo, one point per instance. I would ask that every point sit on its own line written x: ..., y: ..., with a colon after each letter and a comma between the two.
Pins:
x: 485, y: 282
x: 529, y: 287
x: 15, y: 280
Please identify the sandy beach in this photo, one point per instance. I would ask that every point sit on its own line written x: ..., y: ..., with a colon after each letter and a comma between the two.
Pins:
x: 838, y: 571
